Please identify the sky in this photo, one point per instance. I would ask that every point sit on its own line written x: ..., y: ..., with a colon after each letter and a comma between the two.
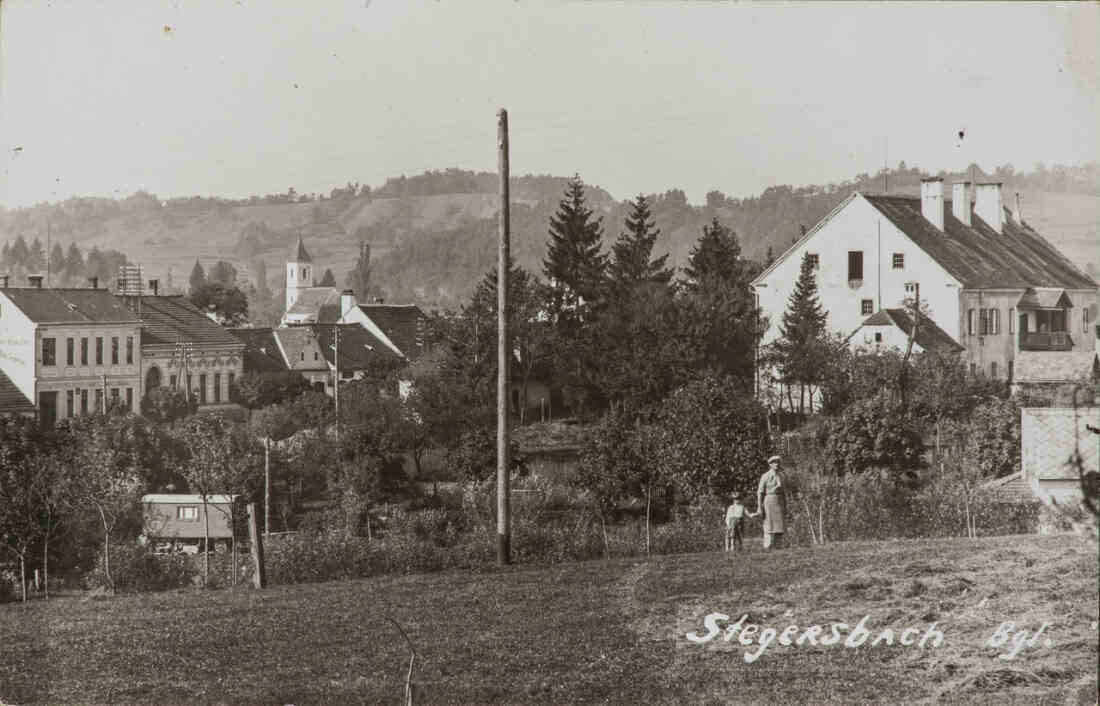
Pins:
x: 232, y: 98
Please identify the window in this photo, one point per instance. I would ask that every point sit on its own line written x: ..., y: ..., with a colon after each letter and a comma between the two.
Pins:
x: 202, y: 388
x: 878, y: 337
x: 98, y: 399
x: 1085, y: 319
x: 187, y: 513
x: 114, y: 350
x: 347, y: 375
x: 866, y: 307
x: 315, y: 355
x: 970, y: 322
x: 993, y: 370
x: 129, y: 350
x: 130, y: 398
x: 855, y: 265
x: 973, y: 369
x: 99, y: 350
x: 70, y: 351
x: 1011, y: 326
x: 232, y: 382
x: 70, y: 401
x: 303, y: 353
x: 217, y: 387
x: 172, y: 381
x: 995, y: 321
x: 189, y: 386
x: 83, y: 402
x: 83, y: 351
x: 1010, y: 369
x: 899, y: 261
x: 114, y: 396
x: 49, y: 351
x: 815, y: 261
x: 910, y: 287
x: 984, y: 322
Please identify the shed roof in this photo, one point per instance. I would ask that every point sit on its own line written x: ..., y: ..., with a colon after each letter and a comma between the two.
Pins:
x: 75, y: 306
x: 1011, y: 488
x: 1044, y: 298
x: 1053, y: 366
x: 978, y: 256
x: 185, y: 498
x: 173, y: 319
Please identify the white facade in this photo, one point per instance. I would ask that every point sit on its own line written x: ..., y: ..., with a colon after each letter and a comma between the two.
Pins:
x: 856, y: 226
x: 299, y: 276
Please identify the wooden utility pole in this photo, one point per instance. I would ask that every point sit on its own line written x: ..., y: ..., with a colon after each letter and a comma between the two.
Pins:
x: 267, y: 485
x: 504, y: 356
x: 256, y: 541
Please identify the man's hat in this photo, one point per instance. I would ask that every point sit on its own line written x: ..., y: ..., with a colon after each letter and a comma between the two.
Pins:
x: 773, y: 459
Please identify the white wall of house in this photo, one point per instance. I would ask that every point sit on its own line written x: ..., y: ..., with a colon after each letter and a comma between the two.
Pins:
x: 17, y: 345
x: 102, y: 374
x: 858, y: 226
x: 876, y: 338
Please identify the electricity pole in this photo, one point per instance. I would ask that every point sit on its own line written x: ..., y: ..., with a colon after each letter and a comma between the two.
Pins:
x: 504, y: 356
x: 336, y: 386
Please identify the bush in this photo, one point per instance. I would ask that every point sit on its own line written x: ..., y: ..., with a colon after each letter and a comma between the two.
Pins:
x: 135, y: 569
x: 873, y: 433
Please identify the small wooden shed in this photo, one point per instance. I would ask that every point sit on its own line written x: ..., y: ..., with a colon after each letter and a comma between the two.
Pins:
x: 178, y: 518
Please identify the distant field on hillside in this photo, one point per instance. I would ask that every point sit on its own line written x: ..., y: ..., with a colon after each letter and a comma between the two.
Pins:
x: 594, y: 632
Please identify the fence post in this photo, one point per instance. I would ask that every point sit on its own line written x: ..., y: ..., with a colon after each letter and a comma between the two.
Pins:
x: 259, y: 579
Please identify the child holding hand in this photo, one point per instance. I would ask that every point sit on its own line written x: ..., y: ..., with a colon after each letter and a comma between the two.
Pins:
x: 735, y: 524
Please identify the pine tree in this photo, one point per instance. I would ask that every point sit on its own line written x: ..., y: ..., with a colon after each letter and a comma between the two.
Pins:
x: 198, y: 277
x: 5, y: 255
x: 358, y: 279
x: 57, y: 261
x: 328, y: 279
x: 36, y: 257
x: 630, y: 264
x: 717, y: 254
x: 802, y: 330
x: 574, y: 265
x: 262, y: 288
x: 74, y: 264
x: 18, y: 254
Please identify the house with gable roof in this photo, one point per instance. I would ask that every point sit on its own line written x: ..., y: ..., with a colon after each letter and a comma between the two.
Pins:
x: 989, y: 280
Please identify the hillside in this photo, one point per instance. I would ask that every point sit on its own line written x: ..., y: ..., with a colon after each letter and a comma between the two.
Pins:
x: 592, y: 632
x: 434, y: 235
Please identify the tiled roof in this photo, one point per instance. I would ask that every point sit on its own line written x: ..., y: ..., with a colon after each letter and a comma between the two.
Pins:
x: 173, y: 319
x: 402, y: 324
x: 312, y: 299
x: 11, y: 398
x: 299, y: 253
x: 358, y: 346
x: 70, y: 305
x: 261, y: 350
x: 929, y: 335
x: 1053, y: 366
x: 978, y: 256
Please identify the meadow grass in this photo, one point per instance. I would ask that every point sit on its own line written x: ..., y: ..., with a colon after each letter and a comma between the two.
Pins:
x: 588, y: 632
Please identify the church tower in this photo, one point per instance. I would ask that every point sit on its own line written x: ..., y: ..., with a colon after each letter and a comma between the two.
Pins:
x: 299, y: 273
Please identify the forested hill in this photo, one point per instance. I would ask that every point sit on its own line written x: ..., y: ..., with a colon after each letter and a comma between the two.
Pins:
x: 433, y: 235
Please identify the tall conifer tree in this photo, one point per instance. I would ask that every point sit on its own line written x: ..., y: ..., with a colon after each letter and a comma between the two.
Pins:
x: 802, y: 331
x: 198, y: 277
x: 630, y: 263
x: 574, y: 265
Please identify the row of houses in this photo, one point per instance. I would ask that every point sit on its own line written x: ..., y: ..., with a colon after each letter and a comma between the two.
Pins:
x: 67, y: 352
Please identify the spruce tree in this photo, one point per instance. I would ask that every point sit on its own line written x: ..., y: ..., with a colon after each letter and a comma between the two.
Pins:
x: 574, y: 265
x: 359, y: 278
x: 801, y: 333
x: 18, y: 253
x: 74, y: 264
x: 630, y: 264
x: 57, y: 261
x: 717, y: 254
x: 5, y: 255
x: 198, y: 277
x: 36, y: 257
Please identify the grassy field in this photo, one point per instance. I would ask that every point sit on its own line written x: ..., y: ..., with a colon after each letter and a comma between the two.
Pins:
x: 593, y: 632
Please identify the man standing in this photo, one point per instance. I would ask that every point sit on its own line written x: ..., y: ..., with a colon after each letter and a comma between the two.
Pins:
x: 769, y: 496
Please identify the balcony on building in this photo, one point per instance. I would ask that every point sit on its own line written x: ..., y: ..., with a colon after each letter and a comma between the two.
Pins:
x: 1044, y: 320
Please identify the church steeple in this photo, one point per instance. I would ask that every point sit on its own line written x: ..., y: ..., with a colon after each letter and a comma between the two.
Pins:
x: 299, y: 272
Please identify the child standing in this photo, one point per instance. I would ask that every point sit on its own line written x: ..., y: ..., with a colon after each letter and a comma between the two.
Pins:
x: 735, y: 523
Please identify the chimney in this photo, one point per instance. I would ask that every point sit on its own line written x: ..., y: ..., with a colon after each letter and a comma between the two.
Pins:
x: 931, y: 201
x: 35, y: 281
x: 960, y: 201
x: 4, y: 281
x: 988, y: 205
x: 1018, y: 216
x: 347, y: 302
x: 93, y: 283
x: 154, y: 284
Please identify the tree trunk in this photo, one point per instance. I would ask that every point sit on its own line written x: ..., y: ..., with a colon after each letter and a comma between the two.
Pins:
x: 206, y: 544
x: 107, y: 551
x: 46, y: 565
x: 801, y: 398
x: 606, y: 544
x: 647, y: 504
x: 23, y: 576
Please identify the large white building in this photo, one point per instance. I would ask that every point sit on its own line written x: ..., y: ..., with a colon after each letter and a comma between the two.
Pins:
x: 987, y: 278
